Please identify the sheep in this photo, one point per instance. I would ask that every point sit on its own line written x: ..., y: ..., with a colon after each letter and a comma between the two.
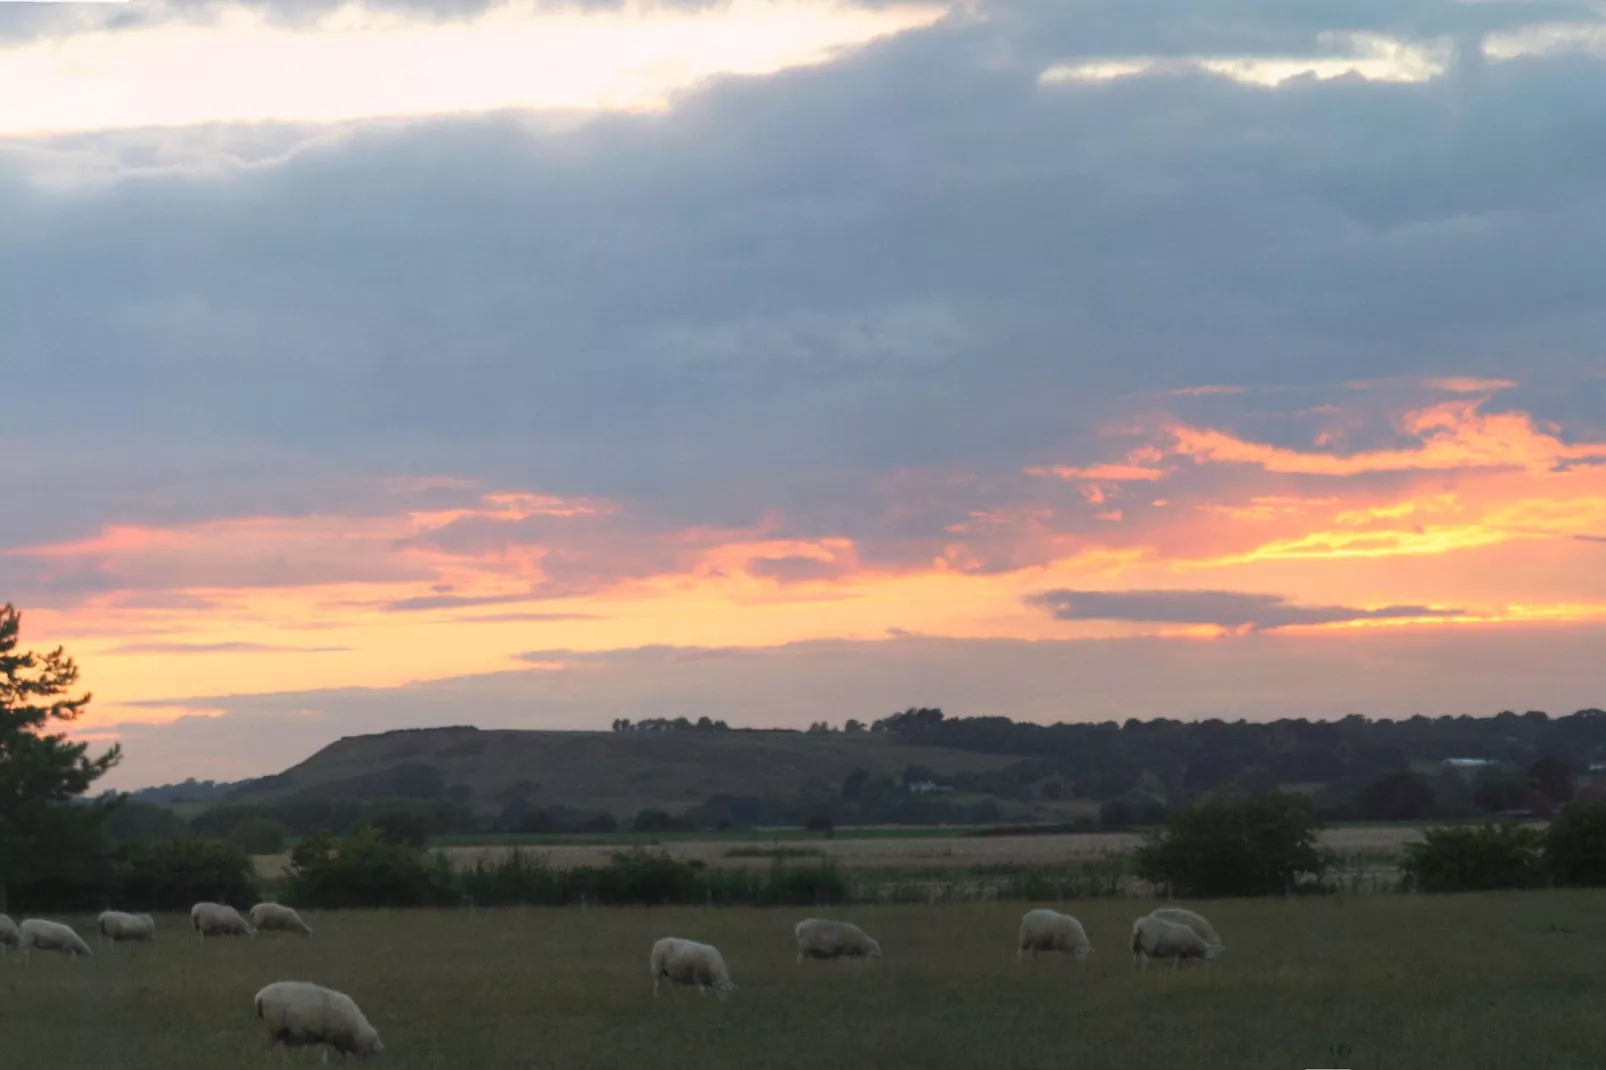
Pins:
x: 1049, y: 930
x: 686, y: 962
x: 300, y: 1013
x: 215, y: 919
x: 267, y: 917
x: 41, y: 935
x: 116, y: 926
x: 10, y: 935
x: 821, y: 939
x: 1156, y: 938
x: 1196, y: 922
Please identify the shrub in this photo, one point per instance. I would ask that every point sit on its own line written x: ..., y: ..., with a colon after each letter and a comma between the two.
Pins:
x: 1474, y: 858
x: 1575, y: 844
x: 366, y: 870
x: 179, y: 873
x: 1254, y: 846
x: 258, y: 836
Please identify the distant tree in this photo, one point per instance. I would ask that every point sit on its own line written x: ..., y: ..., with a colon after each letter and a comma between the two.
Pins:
x: 658, y: 821
x: 39, y: 769
x: 259, y: 836
x: 1497, y: 790
x: 130, y: 821
x: 1554, y: 777
x: 1221, y: 847
x: 820, y: 823
x: 406, y: 827
x: 1397, y: 796
x: 1575, y: 844
x: 819, y: 728
x: 853, y: 725
x: 621, y: 724
x: 914, y: 774
x: 853, y: 784
x: 1053, y: 790
x: 704, y: 723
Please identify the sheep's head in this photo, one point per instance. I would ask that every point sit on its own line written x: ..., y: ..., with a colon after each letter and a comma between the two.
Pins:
x: 1214, y: 951
x: 875, y: 949
x: 1082, y: 952
x: 723, y: 989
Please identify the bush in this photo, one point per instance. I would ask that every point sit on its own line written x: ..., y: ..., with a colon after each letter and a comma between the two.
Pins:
x: 1575, y: 844
x: 182, y: 872
x: 366, y: 870
x: 1220, y: 847
x: 259, y: 836
x: 1469, y: 858
x: 659, y: 821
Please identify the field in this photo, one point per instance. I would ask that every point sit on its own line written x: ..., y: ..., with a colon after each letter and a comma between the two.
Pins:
x: 909, y: 850
x: 1497, y: 981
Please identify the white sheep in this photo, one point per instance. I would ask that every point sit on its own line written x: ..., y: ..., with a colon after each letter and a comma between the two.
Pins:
x: 1196, y: 922
x: 818, y: 938
x: 1156, y: 938
x: 267, y: 917
x: 10, y: 935
x: 215, y: 919
x: 686, y: 962
x: 40, y: 935
x: 116, y: 926
x: 1049, y: 930
x: 299, y: 1013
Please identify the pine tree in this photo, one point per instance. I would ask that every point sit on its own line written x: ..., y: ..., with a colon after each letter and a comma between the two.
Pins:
x: 39, y: 768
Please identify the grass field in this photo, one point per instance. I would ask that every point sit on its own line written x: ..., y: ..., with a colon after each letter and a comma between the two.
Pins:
x: 1503, y: 982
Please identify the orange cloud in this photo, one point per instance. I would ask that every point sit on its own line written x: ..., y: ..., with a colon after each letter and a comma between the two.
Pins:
x: 1454, y: 435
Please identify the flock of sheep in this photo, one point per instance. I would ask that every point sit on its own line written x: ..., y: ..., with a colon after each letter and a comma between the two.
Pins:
x: 1167, y: 933
x: 300, y: 1013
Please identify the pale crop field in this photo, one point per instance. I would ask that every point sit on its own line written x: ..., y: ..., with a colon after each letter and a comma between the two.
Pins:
x: 1480, y: 982
x: 926, y: 853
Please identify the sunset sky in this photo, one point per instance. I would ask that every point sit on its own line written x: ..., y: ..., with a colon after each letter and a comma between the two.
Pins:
x: 536, y: 364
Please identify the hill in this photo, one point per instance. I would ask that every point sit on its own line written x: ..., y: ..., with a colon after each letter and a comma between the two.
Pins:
x: 618, y: 772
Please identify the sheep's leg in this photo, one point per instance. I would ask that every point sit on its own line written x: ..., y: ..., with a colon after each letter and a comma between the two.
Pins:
x: 800, y: 958
x: 1176, y: 963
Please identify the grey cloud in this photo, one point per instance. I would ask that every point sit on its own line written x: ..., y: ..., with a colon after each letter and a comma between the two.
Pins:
x: 789, y: 288
x: 1434, y: 671
x: 1230, y: 609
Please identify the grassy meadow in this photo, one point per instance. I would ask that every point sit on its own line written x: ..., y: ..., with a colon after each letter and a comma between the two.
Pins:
x: 1497, y: 981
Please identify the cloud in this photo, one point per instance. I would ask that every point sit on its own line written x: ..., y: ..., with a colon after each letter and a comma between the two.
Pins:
x: 357, y: 62
x: 220, y: 648
x: 1229, y: 609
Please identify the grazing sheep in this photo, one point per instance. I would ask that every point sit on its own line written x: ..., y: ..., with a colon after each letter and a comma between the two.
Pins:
x: 39, y: 935
x: 1196, y: 922
x: 10, y: 935
x: 686, y: 962
x: 116, y: 926
x: 1049, y: 930
x: 300, y: 1013
x: 268, y: 917
x: 215, y: 919
x: 821, y: 939
x: 1156, y: 938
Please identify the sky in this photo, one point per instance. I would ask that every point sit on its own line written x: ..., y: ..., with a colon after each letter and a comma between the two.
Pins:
x: 530, y: 365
